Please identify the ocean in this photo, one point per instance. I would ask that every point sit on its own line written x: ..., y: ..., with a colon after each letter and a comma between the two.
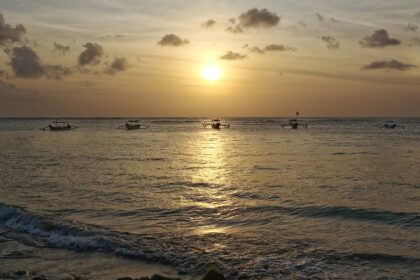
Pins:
x: 338, y: 200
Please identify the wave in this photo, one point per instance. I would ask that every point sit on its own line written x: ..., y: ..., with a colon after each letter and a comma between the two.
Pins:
x: 346, y: 213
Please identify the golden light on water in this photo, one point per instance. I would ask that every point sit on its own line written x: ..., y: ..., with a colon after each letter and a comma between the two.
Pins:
x: 211, y: 72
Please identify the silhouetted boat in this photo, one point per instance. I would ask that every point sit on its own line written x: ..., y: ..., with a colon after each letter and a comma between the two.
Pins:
x: 215, y: 124
x: 59, y: 126
x: 294, y: 124
x: 392, y: 125
x: 133, y: 125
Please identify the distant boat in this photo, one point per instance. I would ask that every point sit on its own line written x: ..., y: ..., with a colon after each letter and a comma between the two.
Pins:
x: 392, y: 125
x: 294, y: 124
x: 59, y: 126
x: 215, y: 124
x: 133, y: 125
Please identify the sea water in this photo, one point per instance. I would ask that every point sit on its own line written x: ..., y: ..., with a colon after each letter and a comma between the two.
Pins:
x: 340, y: 199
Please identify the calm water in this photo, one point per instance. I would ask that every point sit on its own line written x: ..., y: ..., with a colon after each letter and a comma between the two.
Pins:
x: 340, y: 199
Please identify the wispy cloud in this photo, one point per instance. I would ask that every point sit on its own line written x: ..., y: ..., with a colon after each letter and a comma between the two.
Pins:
x: 230, y: 55
x: 389, y: 65
x: 331, y: 42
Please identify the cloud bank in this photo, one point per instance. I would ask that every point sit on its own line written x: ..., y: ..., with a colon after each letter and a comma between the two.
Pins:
x: 26, y: 63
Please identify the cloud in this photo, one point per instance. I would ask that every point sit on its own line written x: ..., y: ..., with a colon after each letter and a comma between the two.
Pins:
x: 172, y: 40
x: 209, y: 23
x: 232, y: 20
x: 334, y: 20
x: 230, y: 55
x: 302, y: 23
x: 26, y: 64
x: 61, y: 48
x: 332, y: 42
x: 320, y: 17
x: 388, y: 64
x: 91, y: 55
x: 417, y: 14
x: 255, y: 18
x: 379, y: 39
x: 9, y: 34
x: 118, y: 65
x: 410, y: 27
x: 278, y: 48
x: 272, y: 48
x: 257, y: 50
x: 235, y: 29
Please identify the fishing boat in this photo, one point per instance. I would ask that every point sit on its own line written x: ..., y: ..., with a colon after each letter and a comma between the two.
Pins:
x: 294, y: 123
x: 391, y: 125
x: 215, y: 124
x: 133, y: 125
x: 59, y: 126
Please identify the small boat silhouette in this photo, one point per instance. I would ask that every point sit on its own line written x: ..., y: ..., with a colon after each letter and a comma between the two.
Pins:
x: 133, y: 125
x: 59, y: 126
x: 215, y: 124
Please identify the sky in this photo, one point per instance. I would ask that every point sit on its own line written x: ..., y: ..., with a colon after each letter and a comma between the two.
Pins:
x: 145, y: 58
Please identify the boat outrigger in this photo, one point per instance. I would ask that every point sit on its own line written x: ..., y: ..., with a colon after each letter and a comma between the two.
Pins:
x: 133, y: 124
x: 215, y: 124
x: 59, y: 126
x: 391, y: 125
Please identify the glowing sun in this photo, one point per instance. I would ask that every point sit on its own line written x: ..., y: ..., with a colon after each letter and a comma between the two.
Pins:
x: 211, y: 73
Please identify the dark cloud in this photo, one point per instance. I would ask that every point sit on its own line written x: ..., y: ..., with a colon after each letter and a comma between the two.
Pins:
x: 26, y: 63
x: 118, y: 65
x: 61, y: 48
x: 410, y: 27
x: 9, y: 34
x: 172, y: 40
x: 235, y: 29
x: 209, y: 23
x: 388, y: 64
x: 415, y: 41
x: 332, y: 42
x: 91, y: 55
x: 230, y: 55
x: 278, y: 48
x: 255, y: 18
x: 271, y: 48
x: 320, y: 17
x: 334, y: 20
x: 379, y: 39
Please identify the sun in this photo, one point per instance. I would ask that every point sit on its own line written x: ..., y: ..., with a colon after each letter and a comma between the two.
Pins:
x: 211, y: 72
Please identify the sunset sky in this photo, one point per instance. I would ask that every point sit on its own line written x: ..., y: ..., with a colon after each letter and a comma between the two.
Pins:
x: 173, y: 58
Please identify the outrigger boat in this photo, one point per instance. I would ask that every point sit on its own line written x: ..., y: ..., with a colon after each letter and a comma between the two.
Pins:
x: 59, y: 126
x: 294, y: 123
x: 133, y: 124
x: 215, y: 124
x: 391, y: 125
